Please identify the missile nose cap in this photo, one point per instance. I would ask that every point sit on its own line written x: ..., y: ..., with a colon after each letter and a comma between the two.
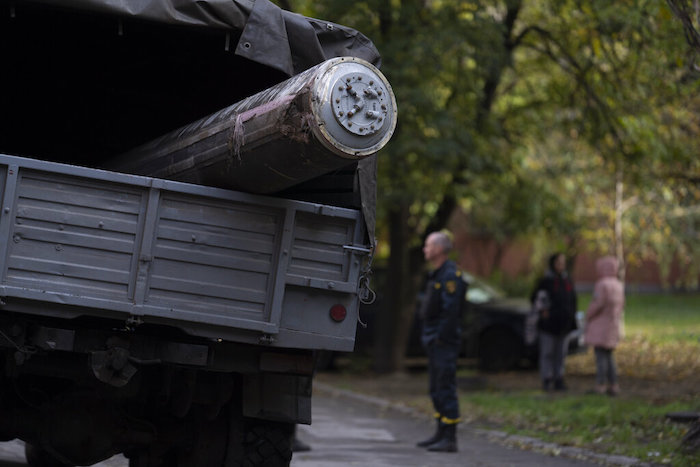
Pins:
x: 354, y: 106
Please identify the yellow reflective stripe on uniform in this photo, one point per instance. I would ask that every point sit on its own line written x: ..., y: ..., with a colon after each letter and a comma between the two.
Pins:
x: 459, y: 273
x: 450, y: 421
x: 437, y: 285
x: 437, y: 415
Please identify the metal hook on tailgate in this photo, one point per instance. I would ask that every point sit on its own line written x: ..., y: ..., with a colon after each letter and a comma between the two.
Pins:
x: 364, y: 292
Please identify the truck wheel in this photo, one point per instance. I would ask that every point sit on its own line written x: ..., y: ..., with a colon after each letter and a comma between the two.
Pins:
x: 244, y: 443
x: 499, y: 350
x: 263, y: 444
x: 199, y: 442
x: 37, y: 457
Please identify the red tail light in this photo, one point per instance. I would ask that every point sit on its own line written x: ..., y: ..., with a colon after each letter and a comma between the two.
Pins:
x: 338, y: 313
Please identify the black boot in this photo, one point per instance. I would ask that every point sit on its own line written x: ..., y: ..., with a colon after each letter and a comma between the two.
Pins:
x: 546, y: 384
x: 560, y: 385
x: 299, y: 446
x: 436, y: 436
x: 448, y: 442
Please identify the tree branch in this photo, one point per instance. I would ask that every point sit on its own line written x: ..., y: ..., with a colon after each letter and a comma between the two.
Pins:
x: 680, y: 9
x: 579, y: 73
x: 687, y: 177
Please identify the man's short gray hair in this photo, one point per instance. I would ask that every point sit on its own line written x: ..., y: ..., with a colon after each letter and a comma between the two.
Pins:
x: 443, y: 240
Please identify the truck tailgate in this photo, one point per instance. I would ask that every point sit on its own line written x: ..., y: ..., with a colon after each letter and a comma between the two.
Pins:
x: 215, y: 263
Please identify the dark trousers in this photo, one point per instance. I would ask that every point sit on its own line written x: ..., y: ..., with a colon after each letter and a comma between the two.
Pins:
x: 552, y: 354
x: 442, y: 371
x: 606, y: 371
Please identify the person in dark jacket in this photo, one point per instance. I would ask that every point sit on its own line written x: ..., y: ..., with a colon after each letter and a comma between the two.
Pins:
x: 555, y: 299
x: 441, y: 316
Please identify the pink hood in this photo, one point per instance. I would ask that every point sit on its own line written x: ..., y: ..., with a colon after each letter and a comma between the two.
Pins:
x: 607, y: 266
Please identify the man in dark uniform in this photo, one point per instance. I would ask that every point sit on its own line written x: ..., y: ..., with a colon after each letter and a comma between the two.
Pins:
x: 441, y: 314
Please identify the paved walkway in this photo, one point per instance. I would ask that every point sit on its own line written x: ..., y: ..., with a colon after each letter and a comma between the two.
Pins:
x: 353, y: 429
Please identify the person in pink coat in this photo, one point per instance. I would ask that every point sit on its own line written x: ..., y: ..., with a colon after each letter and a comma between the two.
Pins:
x: 604, y: 323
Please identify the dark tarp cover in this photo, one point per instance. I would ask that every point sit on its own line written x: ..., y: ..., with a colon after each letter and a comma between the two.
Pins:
x: 271, y: 36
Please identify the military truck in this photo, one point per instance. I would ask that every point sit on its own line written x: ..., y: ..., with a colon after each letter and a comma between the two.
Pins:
x: 187, y: 215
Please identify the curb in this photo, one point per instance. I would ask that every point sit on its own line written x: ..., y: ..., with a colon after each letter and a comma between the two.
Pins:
x: 514, y: 441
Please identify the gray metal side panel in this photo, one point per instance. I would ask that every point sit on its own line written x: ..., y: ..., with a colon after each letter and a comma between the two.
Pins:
x: 213, y: 262
x: 214, y: 256
x: 73, y: 236
x: 316, y: 242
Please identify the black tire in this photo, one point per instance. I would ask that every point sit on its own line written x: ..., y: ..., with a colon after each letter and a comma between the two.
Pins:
x: 533, y: 361
x: 197, y: 441
x: 37, y: 457
x: 146, y: 458
x: 500, y: 349
x: 228, y: 440
x: 685, y: 416
x: 691, y: 440
x: 267, y: 444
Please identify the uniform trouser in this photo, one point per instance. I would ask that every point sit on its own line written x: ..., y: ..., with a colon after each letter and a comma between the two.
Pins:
x: 552, y: 352
x: 605, y: 369
x: 442, y: 370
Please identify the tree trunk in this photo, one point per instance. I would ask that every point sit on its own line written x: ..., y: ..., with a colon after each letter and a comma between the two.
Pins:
x: 619, y: 211
x: 395, y: 320
x: 497, y: 256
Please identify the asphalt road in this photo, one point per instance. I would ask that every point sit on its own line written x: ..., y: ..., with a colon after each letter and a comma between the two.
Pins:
x: 352, y: 430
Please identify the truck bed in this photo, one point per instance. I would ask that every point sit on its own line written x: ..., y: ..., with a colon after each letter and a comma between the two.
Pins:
x: 214, y: 263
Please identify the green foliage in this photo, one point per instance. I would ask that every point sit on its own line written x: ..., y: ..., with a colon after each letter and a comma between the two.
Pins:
x: 611, y: 108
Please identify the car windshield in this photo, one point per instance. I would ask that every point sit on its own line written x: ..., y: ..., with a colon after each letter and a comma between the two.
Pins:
x: 480, y: 291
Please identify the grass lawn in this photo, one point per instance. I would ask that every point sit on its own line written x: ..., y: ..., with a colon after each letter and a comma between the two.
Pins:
x: 659, y: 365
x: 629, y: 426
x: 660, y: 318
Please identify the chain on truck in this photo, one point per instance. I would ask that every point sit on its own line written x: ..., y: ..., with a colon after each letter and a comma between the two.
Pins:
x: 187, y: 214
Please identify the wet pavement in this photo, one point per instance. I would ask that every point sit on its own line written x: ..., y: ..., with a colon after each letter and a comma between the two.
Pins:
x: 350, y: 429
